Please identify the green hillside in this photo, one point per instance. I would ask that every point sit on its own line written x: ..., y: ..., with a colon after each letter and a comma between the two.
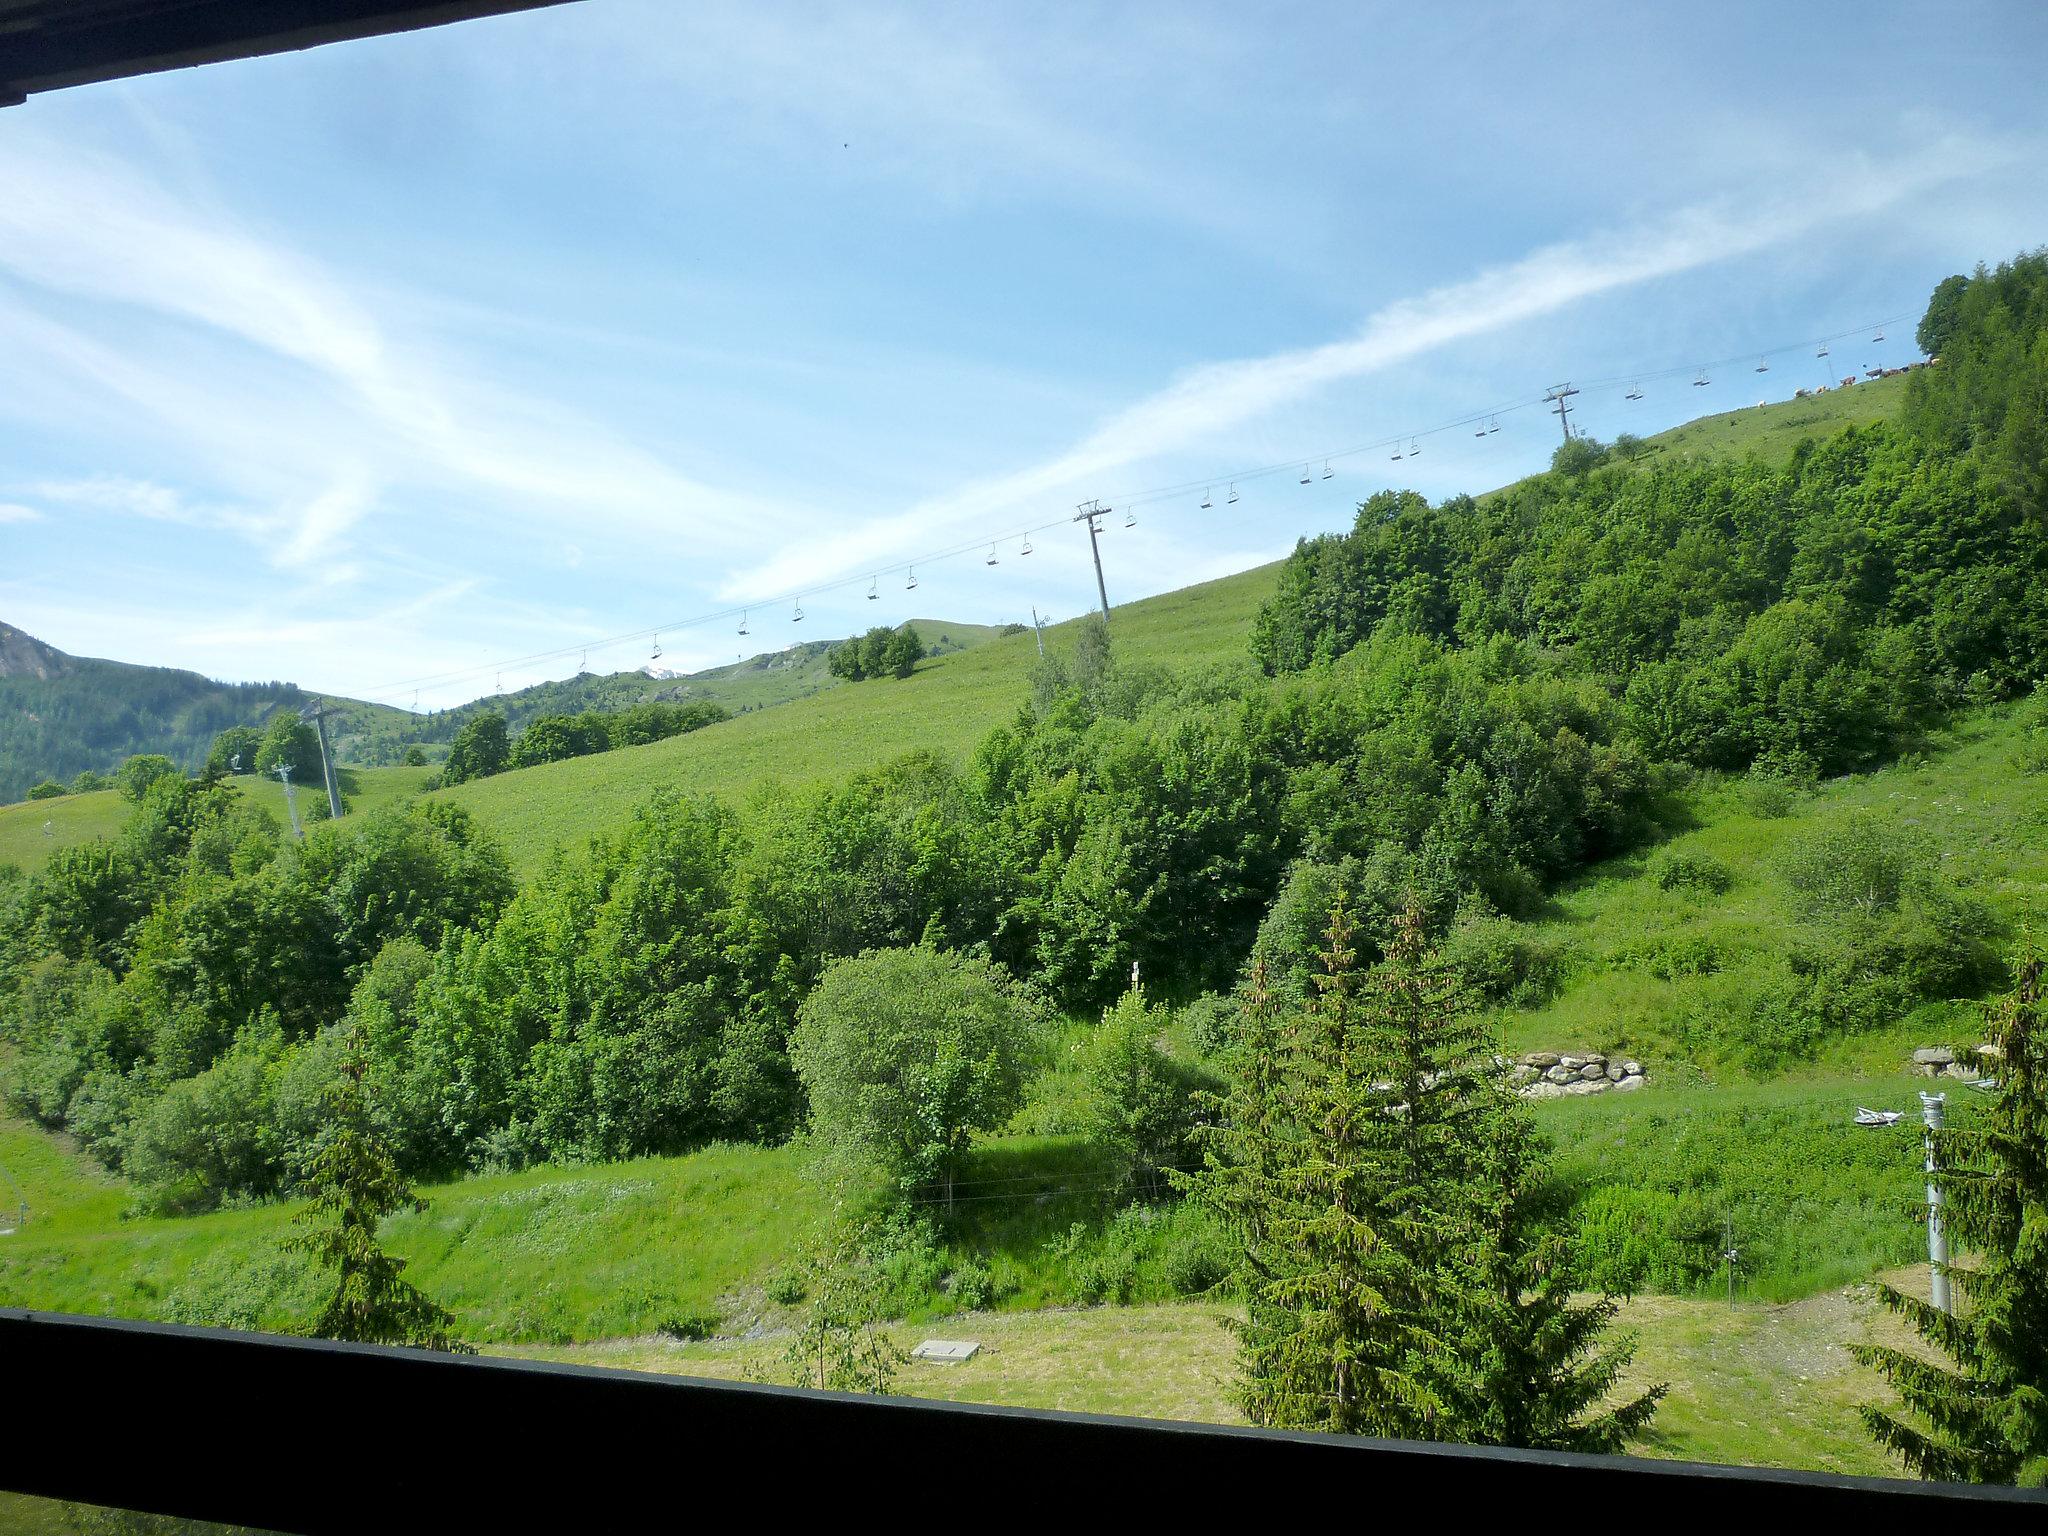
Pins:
x: 946, y: 706
x: 974, y: 678
x: 756, y: 682
x: 1662, y: 969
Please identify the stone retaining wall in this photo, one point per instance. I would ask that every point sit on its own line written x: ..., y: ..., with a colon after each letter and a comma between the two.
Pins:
x: 1555, y: 1075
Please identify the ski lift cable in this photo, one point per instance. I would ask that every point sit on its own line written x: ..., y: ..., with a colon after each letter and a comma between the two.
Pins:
x: 1126, y: 502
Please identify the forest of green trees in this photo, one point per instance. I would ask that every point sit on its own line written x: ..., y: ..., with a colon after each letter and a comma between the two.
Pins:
x: 1471, y: 701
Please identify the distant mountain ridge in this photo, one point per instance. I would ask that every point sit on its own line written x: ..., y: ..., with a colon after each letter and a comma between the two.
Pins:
x: 62, y: 714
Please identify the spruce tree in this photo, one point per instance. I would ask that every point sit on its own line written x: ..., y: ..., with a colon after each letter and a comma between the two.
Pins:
x: 1531, y: 1368
x: 1309, y: 1166
x: 355, y: 1182
x: 1985, y: 1417
x: 1402, y: 1274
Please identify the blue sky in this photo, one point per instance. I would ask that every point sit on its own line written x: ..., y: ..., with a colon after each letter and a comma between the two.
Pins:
x: 377, y: 366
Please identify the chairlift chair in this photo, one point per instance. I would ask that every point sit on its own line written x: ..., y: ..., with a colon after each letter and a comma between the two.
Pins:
x: 1327, y: 471
x: 1027, y: 547
x: 1880, y: 334
x: 1762, y: 366
x: 1207, y: 502
x: 1823, y: 352
x: 1493, y: 425
x: 1130, y: 518
x: 991, y: 560
x: 655, y: 657
x: 1414, y: 447
x: 1232, y: 497
x: 874, y: 589
x: 798, y: 616
x: 743, y: 622
x: 1635, y: 391
x: 1702, y: 381
x: 1397, y: 455
x: 1304, y: 474
x: 911, y: 584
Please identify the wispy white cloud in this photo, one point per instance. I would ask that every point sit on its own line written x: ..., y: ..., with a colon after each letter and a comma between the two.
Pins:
x: 15, y: 512
x: 90, y: 227
x: 1206, y: 402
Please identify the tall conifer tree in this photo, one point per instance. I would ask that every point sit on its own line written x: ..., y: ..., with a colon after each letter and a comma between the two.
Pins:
x: 1985, y: 1418
x: 1401, y: 1275
x: 356, y: 1182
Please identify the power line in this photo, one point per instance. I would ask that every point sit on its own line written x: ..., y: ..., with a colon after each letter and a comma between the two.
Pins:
x: 1148, y: 496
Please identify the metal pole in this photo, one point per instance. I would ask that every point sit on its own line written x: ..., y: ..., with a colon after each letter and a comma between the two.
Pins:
x: 327, y: 764
x: 1937, y: 1240
x: 291, y: 803
x: 1561, y: 394
x: 1088, y: 514
x: 1038, y: 629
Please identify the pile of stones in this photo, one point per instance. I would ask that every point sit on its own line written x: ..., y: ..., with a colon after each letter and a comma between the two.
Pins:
x: 1940, y: 1061
x: 1551, y: 1075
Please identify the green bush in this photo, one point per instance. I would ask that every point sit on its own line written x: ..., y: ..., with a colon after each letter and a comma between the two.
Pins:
x: 1676, y: 869
x: 1143, y: 1099
x: 1209, y: 1023
x: 210, y: 1138
x: 1858, y: 863
x: 690, y: 1327
x: 1500, y: 959
x: 1767, y: 796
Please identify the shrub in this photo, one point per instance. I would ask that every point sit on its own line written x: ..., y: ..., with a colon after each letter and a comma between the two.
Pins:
x: 788, y: 1285
x: 1631, y: 1238
x: 1499, y: 959
x: 1209, y: 1023
x: 210, y: 1138
x: 1853, y: 864
x: 971, y: 1286
x: 1677, y: 869
x: 1767, y: 796
x: 49, y: 789
x: 1143, y: 1100
x: 690, y: 1326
